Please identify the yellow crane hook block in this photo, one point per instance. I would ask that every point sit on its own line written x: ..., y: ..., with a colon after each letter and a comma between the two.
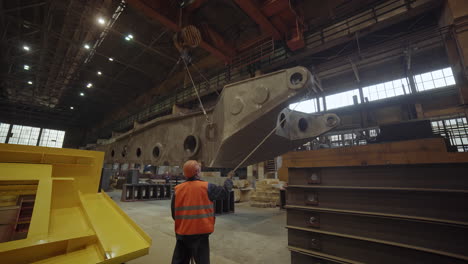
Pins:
x: 51, y: 210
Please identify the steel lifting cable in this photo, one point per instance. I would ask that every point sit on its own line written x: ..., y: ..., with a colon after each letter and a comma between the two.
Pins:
x: 196, y: 91
x: 203, y: 76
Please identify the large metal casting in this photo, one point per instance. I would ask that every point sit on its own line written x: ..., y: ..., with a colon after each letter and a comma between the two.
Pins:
x: 247, y: 111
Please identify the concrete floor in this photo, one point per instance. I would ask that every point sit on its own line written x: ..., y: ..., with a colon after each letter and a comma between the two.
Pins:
x: 250, y: 235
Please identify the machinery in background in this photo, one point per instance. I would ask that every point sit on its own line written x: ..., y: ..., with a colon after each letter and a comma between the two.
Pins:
x: 145, y: 192
x: 16, y: 206
x: 222, y: 136
x: 51, y: 210
x: 147, y: 189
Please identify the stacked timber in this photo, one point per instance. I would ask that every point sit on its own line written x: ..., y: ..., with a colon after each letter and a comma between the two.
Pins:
x: 266, y: 193
x: 213, y: 177
x: 241, y: 190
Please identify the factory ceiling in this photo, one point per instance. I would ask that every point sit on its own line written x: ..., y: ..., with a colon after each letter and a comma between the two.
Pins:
x: 81, y: 61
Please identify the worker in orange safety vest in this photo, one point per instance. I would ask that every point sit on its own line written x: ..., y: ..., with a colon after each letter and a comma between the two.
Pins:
x: 193, y: 213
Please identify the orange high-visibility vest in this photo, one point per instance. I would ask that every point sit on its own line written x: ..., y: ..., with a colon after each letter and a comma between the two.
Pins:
x: 194, y: 212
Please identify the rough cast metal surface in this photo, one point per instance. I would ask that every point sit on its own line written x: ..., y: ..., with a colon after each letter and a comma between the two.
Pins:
x: 245, y: 113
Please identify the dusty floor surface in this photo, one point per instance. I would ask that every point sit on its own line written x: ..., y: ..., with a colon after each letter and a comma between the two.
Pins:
x: 250, y: 235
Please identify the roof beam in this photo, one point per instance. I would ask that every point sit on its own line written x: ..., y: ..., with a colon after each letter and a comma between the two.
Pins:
x: 274, y: 7
x: 217, y: 40
x: 195, y: 5
x: 23, y: 7
x: 256, y: 14
x: 155, y: 14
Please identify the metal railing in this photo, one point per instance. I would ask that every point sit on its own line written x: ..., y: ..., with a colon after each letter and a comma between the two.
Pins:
x: 454, y: 128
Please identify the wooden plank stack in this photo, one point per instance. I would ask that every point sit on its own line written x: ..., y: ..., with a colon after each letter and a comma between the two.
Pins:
x: 242, y: 190
x: 266, y: 194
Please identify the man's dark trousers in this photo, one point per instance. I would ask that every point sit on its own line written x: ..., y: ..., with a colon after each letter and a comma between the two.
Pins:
x: 194, y: 246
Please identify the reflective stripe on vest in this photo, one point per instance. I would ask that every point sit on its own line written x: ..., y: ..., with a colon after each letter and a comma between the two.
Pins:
x: 198, y: 216
x: 194, y: 211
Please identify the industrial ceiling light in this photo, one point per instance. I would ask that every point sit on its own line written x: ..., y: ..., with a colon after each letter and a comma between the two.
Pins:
x: 89, y: 85
x: 86, y: 46
x: 26, y: 48
x: 71, y: 107
x: 101, y: 20
x: 26, y: 67
x: 29, y: 82
x: 111, y: 59
x: 129, y: 37
x: 99, y: 73
x: 81, y: 94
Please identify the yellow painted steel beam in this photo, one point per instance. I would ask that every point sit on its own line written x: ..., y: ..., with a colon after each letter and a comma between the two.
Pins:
x: 71, y: 221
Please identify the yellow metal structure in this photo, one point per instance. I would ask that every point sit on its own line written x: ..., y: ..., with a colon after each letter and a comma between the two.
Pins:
x: 71, y: 221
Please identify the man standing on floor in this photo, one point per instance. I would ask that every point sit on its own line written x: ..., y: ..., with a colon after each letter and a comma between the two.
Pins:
x: 193, y: 212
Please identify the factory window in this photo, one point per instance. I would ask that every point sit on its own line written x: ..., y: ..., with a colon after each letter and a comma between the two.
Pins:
x: 52, y: 138
x: 341, y: 140
x: 335, y: 141
x: 434, y: 79
x: 307, y: 106
x: 374, y: 132
x: 386, y: 89
x: 4, y: 132
x: 426, y: 81
x: 24, y: 135
x: 344, y: 139
x: 342, y: 99
x: 351, y: 138
x: 455, y: 129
